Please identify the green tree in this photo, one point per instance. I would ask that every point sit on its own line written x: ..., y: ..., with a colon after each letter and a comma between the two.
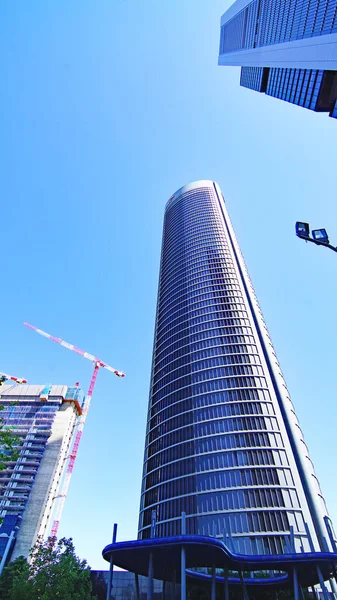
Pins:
x: 9, y: 443
x: 17, y: 569
x: 54, y: 573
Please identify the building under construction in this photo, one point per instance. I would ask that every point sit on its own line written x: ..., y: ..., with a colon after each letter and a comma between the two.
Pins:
x: 44, y: 418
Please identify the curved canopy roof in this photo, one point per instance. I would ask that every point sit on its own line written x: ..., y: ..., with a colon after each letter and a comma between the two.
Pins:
x: 203, y: 551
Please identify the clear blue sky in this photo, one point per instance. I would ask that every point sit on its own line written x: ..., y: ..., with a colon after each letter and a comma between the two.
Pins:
x: 107, y: 107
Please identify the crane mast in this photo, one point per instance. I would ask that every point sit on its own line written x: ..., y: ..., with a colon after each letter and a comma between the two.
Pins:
x: 98, y: 363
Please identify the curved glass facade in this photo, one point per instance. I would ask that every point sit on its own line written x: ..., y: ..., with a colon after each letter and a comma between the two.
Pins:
x: 219, y: 435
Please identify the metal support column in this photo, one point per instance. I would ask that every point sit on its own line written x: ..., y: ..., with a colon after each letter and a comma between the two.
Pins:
x: 174, y: 584
x: 225, y: 574
x: 111, y: 570
x: 301, y: 592
x: 314, y: 592
x: 244, y: 589
x: 292, y: 539
x: 311, y: 543
x: 326, y: 594
x: 150, y: 578
x: 137, y: 586
x: 7, y: 549
x: 213, y: 591
x: 153, y: 524
x: 295, y: 578
x: 333, y: 587
x: 183, y: 559
x: 328, y: 525
x: 150, y: 571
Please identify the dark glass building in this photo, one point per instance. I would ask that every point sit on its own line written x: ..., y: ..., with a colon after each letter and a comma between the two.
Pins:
x: 223, y: 442
x: 286, y: 48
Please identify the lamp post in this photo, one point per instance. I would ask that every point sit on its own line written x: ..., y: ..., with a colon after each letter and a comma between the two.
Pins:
x: 319, y: 236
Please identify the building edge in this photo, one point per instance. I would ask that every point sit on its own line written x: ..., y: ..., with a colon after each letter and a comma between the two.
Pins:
x: 284, y: 401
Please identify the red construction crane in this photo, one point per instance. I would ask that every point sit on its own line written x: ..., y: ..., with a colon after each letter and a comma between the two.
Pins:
x: 4, y: 377
x: 85, y: 409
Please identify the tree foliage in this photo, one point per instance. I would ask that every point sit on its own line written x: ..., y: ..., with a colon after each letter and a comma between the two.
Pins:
x: 9, y: 443
x: 54, y: 573
x: 17, y: 569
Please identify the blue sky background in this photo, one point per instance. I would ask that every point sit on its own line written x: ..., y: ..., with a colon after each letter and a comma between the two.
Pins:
x: 107, y: 108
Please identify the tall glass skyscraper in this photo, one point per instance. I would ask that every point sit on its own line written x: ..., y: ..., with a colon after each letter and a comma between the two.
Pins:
x: 286, y: 48
x: 223, y: 442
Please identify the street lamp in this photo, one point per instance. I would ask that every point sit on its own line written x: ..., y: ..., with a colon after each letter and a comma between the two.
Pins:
x: 319, y: 236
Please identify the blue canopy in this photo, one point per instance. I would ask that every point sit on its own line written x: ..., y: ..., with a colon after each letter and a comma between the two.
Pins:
x: 203, y: 551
